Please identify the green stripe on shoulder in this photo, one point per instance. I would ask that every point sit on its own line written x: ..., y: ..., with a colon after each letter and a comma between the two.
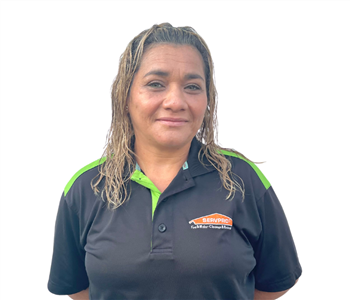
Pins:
x: 81, y: 171
x: 263, y: 179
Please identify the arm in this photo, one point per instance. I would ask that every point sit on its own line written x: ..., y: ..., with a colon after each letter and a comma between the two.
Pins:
x: 259, y: 295
x: 68, y: 273
x: 83, y: 295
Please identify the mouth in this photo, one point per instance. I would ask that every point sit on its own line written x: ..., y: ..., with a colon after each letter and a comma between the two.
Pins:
x: 172, y: 121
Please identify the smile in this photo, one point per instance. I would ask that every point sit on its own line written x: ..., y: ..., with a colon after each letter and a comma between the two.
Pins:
x: 172, y: 121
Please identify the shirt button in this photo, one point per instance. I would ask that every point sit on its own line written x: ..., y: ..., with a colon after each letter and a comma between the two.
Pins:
x: 162, y: 228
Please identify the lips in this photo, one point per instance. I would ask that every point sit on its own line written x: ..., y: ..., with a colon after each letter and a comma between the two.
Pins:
x: 172, y: 121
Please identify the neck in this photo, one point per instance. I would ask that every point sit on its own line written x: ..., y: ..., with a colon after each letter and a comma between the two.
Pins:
x: 153, y: 159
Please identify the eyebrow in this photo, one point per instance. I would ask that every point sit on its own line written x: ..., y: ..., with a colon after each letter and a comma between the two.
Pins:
x: 166, y: 74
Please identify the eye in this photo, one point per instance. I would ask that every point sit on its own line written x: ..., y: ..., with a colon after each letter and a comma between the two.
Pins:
x: 193, y: 87
x: 155, y: 84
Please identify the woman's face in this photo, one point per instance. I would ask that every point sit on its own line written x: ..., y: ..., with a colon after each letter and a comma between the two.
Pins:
x: 168, y: 97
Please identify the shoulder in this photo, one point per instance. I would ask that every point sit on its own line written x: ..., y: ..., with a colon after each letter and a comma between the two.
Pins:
x: 82, y: 178
x: 247, y: 171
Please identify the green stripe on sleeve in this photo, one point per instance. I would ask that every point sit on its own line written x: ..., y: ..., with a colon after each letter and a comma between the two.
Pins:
x: 263, y: 179
x: 81, y: 171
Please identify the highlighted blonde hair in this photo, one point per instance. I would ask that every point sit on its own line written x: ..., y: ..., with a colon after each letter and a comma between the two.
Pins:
x: 120, y: 161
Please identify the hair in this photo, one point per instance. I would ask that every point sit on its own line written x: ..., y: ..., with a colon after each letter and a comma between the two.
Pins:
x: 120, y: 162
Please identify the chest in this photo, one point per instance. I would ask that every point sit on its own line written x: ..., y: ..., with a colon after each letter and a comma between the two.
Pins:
x: 192, y: 235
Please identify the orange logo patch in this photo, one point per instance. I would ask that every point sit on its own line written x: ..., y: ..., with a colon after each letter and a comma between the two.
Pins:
x: 215, y: 221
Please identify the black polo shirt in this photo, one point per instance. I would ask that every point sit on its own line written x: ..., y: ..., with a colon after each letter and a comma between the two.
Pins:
x: 188, y: 242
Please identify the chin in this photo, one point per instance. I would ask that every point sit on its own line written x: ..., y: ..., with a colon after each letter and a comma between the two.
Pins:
x: 175, y: 143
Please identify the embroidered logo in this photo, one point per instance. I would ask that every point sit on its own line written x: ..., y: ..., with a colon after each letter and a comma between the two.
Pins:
x: 214, y: 221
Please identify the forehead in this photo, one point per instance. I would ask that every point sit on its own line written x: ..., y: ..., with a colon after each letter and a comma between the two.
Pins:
x: 171, y: 56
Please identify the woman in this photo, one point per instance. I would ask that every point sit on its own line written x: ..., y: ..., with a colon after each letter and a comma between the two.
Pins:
x: 167, y: 213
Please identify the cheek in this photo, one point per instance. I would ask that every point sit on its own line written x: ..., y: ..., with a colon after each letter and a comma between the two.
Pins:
x: 141, y: 115
x: 202, y: 109
x: 143, y: 103
x: 136, y: 109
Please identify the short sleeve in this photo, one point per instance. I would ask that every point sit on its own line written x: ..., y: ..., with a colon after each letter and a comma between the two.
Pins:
x: 277, y: 264
x: 68, y: 274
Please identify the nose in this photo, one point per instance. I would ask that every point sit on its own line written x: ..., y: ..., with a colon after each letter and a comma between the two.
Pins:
x: 175, y: 99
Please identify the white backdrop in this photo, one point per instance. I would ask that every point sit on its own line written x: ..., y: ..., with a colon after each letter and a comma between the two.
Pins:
x: 283, y: 79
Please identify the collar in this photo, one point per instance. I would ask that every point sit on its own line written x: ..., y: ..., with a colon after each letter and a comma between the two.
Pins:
x: 195, y: 167
x: 184, y: 166
x: 193, y: 164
